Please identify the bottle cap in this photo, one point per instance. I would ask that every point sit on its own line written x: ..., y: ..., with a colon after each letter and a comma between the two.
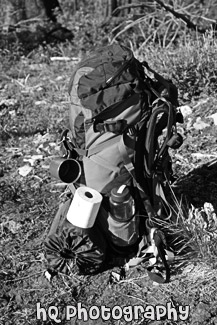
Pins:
x: 120, y: 194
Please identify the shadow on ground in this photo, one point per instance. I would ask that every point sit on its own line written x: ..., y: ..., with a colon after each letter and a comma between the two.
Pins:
x: 200, y: 185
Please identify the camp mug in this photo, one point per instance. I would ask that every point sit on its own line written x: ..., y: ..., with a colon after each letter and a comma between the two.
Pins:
x: 67, y: 170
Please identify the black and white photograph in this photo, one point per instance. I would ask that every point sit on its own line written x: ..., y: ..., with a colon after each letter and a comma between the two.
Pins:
x: 108, y: 162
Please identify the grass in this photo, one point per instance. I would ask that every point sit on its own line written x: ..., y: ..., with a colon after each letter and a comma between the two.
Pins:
x: 33, y: 113
x: 191, y: 65
x: 193, y: 231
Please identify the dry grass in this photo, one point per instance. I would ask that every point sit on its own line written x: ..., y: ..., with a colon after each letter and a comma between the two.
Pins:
x: 30, y: 125
x: 193, y: 231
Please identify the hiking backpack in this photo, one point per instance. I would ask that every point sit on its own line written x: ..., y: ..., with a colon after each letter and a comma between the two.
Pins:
x: 122, y: 123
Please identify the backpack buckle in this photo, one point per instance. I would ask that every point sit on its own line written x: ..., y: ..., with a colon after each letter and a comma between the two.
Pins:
x: 131, y: 131
x: 116, y: 127
x: 175, y: 141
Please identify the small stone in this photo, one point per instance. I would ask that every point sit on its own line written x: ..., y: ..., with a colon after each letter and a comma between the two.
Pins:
x: 214, y: 117
x: 199, y: 124
x: 185, y: 110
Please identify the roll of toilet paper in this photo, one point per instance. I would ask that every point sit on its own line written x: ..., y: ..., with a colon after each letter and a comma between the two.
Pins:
x: 84, y: 207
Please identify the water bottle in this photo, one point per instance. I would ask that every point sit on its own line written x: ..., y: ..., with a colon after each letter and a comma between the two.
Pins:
x: 123, y: 224
x: 122, y: 205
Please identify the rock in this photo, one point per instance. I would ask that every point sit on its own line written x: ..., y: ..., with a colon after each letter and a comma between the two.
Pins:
x: 199, y: 124
x: 25, y: 170
x: 214, y: 117
x: 186, y: 110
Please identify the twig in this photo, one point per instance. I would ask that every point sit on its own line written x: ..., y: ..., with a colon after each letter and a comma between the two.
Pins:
x: 30, y: 20
x: 129, y: 296
x: 129, y: 6
x: 213, y: 21
x: 131, y: 24
x: 25, y: 277
x: 186, y: 20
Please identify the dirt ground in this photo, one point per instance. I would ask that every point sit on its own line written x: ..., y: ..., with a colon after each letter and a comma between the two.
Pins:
x: 33, y: 113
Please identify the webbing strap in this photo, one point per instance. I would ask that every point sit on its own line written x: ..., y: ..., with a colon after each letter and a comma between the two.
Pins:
x: 149, y: 142
x: 158, y: 235
x: 160, y: 193
x: 72, y: 188
x: 116, y: 127
x: 131, y: 169
x: 123, y: 151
